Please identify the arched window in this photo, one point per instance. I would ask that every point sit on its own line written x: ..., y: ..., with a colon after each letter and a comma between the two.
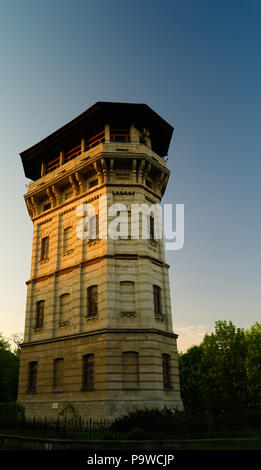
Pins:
x: 130, y: 370
x: 92, y: 301
x: 127, y: 297
x: 166, y: 369
x: 64, y: 313
x: 58, y: 373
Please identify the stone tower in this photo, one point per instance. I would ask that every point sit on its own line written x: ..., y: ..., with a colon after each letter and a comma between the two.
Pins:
x: 98, y: 329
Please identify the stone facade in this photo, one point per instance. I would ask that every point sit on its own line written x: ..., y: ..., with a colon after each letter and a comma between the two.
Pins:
x: 123, y: 273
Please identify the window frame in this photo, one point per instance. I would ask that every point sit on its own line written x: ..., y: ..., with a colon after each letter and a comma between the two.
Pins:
x: 93, y: 227
x: 125, y: 383
x: 39, y: 314
x: 58, y: 386
x: 90, y: 311
x: 67, y: 232
x: 45, y: 241
x: 157, y: 301
x: 63, y: 312
x: 32, y: 377
x: 88, y: 372
x: 130, y: 293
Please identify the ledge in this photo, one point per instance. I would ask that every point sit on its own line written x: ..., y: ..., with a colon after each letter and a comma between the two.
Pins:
x: 68, y: 252
x: 63, y: 323
x: 103, y: 331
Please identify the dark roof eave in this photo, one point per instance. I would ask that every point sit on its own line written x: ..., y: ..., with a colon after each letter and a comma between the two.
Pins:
x: 99, y: 113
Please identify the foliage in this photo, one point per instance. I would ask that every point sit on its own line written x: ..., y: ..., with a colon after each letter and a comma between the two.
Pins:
x: 166, y: 421
x: 224, y: 371
x: 11, y: 412
x: 9, y: 368
x: 253, y: 364
x: 69, y: 411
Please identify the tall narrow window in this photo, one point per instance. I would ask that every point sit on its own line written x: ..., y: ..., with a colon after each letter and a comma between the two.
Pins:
x: 166, y: 369
x: 157, y: 301
x: 39, y: 317
x: 127, y: 297
x: 151, y: 231
x: 64, y: 308
x: 32, y: 377
x: 93, y: 227
x: 92, y: 301
x: 130, y: 373
x: 67, y: 233
x: 44, y: 248
x: 58, y: 371
x: 88, y: 372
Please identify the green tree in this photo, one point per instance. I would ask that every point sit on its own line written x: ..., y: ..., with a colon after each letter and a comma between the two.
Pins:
x: 191, y: 380
x: 213, y: 375
x: 253, y: 364
x: 9, y: 369
x: 223, y: 360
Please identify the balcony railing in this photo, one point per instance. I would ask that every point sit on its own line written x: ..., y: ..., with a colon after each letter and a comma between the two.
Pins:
x: 72, y: 153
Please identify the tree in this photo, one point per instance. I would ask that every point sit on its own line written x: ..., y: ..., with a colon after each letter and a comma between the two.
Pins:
x: 253, y: 364
x: 213, y: 375
x: 190, y: 370
x: 9, y: 369
x: 224, y: 362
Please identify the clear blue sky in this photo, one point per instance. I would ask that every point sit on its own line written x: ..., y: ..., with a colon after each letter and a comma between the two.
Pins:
x: 196, y: 63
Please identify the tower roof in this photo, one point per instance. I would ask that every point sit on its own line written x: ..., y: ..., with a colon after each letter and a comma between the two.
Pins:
x: 91, y: 121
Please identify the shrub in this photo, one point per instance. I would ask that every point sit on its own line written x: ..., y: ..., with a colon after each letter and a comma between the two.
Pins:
x: 11, y: 412
x: 160, y: 421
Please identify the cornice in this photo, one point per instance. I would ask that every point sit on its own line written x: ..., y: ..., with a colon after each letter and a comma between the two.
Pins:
x: 82, y: 264
x: 102, y: 331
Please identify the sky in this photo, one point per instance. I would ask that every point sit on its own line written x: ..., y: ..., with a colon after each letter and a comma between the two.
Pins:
x: 197, y: 64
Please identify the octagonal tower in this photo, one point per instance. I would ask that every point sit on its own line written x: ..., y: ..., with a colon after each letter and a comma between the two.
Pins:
x: 98, y: 329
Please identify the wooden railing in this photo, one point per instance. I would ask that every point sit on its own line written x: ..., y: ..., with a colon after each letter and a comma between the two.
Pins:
x: 52, y: 164
x: 72, y: 153
x: 95, y: 140
x: 116, y: 135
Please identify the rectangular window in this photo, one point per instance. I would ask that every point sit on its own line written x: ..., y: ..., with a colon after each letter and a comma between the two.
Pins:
x: 88, y: 372
x: 32, y: 376
x: 92, y: 301
x: 166, y: 368
x: 65, y: 308
x: 67, y: 233
x: 44, y: 248
x: 39, y: 317
x: 157, y: 300
x: 120, y: 135
x: 127, y: 297
x: 151, y: 227
x: 58, y: 374
x: 130, y: 373
x: 93, y: 227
